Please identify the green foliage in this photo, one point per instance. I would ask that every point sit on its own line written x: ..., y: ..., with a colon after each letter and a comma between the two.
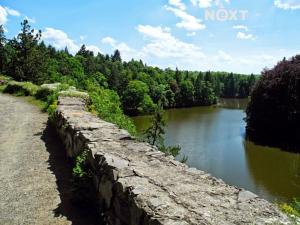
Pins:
x: 28, y: 61
x: 106, y: 103
x: 170, y: 150
x: 154, y: 135
x: 43, y: 93
x: 21, y: 88
x: 136, y: 98
x: 83, y: 191
x: 3, y: 82
x: 273, y: 114
x: 292, y: 209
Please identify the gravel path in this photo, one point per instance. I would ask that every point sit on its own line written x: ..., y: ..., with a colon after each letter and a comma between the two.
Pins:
x: 34, y: 173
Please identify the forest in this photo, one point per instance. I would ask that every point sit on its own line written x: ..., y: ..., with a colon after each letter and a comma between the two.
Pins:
x: 137, y: 86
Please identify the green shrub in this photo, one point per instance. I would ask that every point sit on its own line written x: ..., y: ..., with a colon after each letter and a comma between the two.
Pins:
x: 106, y: 103
x: 292, y: 209
x: 43, y: 93
x: 4, y: 80
x: 21, y: 88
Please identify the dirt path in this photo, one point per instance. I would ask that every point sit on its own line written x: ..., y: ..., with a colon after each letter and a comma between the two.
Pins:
x: 34, y: 173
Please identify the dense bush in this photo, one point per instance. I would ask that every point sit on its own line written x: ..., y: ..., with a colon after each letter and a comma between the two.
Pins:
x: 273, y: 114
x: 107, y: 105
x: 43, y: 93
x: 21, y: 88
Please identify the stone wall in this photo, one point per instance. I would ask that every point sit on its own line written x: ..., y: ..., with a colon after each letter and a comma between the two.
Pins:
x: 138, y: 185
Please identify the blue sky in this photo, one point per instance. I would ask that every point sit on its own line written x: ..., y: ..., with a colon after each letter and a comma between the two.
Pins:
x: 244, y: 36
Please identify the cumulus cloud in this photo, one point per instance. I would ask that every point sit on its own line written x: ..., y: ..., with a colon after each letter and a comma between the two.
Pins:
x: 188, y: 21
x: 177, y: 3
x: 287, y: 4
x: 224, y: 56
x: 59, y: 39
x: 93, y: 48
x: 12, y: 12
x: 5, y: 12
x: 241, y: 27
x: 163, y: 44
x: 244, y: 36
x: 127, y: 53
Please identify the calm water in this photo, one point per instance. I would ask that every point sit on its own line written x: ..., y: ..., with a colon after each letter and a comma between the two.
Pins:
x: 213, y: 139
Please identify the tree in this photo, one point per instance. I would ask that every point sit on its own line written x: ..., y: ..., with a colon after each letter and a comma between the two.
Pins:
x: 198, y: 90
x: 273, y: 114
x: 155, y: 132
x: 117, y: 56
x: 28, y: 63
x: 135, y: 97
x: 187, y: 93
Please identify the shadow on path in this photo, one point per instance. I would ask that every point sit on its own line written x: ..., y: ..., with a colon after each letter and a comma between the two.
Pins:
x: 61, y: 167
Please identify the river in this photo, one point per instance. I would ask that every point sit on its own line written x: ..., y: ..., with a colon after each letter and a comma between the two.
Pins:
x: 213, y: 138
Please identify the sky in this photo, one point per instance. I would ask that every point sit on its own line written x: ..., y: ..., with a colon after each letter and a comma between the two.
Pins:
x: 239, y: 36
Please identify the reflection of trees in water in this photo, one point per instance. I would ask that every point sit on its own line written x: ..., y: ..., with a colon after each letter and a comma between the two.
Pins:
x: 278, y: 172
x: 233, y: 103
x: 296, y: 168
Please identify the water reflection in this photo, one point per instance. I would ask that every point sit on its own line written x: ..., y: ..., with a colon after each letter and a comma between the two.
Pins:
x: 278, y: 172
x: 213, y: 139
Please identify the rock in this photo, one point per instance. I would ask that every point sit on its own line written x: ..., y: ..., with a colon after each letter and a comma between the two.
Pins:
x: 246, y: 196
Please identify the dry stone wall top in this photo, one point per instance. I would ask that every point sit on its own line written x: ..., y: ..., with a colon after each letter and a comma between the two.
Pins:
x: 137, y: 184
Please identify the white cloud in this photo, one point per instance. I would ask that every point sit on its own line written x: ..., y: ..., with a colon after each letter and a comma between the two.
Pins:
x: 224, y: 56
x: 244, y: 36
x: 59, y: 40
x: 241, y: 27
x: 3, y: 16
x: 188, y: 21
x: 127, y: 53
x: 178, y: 4
x: 208, y: 3
x: 30, y: 20
x: 162, y: 44
x: 5, y: 12
x: 287, y: 4
x: 93, y: 48
x: 12, y: 12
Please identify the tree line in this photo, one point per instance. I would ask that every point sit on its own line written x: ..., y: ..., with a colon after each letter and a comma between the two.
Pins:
x: 139, y: 86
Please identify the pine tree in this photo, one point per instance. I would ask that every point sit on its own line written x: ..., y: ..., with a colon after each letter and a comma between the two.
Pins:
x: 28, y: 63
x: 117, y: 56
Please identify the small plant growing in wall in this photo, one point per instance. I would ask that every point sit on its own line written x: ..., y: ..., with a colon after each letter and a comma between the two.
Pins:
x: 83, y: 191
